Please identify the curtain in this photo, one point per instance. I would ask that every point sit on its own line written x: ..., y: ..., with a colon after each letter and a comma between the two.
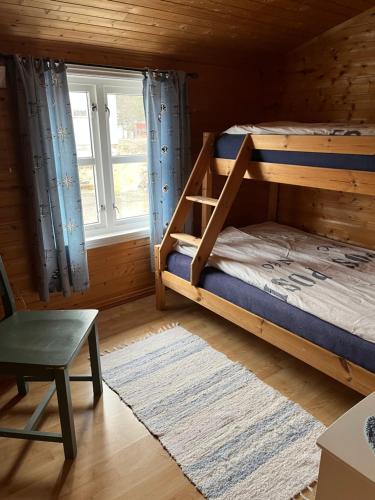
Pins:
x: 168, y: 151
x: 50, y: 164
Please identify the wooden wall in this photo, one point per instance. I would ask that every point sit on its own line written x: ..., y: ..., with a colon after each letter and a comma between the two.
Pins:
x: 329, y: 79
x: 219, y: 97
x: 250, y: 205
x: 332, y: 78
x: 117, y: 273
x: 341, y: 216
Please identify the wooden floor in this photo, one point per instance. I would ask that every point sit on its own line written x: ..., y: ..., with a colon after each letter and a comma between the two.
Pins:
x: 117, y: 457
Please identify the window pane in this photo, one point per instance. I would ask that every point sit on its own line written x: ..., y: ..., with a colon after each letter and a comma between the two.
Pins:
x: 80, y: 102
x: 88, y: 194
x: 127, y: 124
x: 131, y: 194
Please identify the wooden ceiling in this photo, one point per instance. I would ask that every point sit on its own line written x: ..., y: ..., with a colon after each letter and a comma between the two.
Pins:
x: 202, y: 30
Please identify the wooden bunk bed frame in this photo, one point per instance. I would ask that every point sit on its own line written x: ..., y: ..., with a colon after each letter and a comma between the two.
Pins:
x: 214, y: 212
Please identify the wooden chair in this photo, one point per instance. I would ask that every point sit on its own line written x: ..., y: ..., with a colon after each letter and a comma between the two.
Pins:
x: 40, y: 346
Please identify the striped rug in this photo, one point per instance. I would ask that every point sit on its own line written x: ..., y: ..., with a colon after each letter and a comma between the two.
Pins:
x: 233, y: 436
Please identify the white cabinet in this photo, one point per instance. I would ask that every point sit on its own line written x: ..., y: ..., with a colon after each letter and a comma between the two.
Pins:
x: 347, y: 467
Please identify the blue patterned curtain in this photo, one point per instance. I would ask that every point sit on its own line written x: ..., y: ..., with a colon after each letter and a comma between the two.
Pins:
x: 52, y: 170
x: 168, y: 132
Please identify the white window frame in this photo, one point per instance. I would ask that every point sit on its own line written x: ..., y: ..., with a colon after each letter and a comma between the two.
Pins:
x: 98, y: 83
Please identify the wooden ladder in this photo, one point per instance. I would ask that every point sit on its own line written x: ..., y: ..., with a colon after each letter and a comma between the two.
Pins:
x: 221, y: 206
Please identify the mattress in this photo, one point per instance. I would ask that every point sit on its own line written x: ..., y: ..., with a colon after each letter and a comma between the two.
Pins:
x: 332, y: 280
x: 301, y: 323
x: 300, y: 128
x: 228, y: 145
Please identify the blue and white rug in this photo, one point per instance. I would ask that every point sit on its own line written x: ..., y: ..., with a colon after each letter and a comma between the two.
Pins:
x: 233, y: 436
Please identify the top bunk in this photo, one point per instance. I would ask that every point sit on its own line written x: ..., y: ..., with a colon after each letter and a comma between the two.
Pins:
x: 335, y: 156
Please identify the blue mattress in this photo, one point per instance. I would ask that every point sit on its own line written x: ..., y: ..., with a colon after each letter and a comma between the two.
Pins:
x: 332, y: 338
x: 228, y: 145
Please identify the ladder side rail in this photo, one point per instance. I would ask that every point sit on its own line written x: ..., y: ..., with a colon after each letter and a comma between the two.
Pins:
x: 222, y: 209
x: 192, y: 187
x: 207, y: 191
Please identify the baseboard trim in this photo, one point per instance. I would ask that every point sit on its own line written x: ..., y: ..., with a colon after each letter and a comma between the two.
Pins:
x: 123, y: 299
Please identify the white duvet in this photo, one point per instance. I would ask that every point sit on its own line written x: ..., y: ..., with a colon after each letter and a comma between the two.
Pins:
x: 331, y: 280
x: 298, y: 128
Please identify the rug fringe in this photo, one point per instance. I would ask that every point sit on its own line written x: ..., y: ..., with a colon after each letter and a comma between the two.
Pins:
x: 162, y: 329
x: 308, y: 488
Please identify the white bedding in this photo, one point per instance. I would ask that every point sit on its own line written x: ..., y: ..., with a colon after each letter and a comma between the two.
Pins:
x: 331, y: 280
x: 297, y: 128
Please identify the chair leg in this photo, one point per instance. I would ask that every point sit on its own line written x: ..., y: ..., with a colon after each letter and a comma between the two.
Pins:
x: 22, y: 386
x: 66, y: 413
x: 95, y: 361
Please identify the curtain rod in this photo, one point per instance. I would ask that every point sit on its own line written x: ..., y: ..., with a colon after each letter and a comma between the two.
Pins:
x: 189, y: 75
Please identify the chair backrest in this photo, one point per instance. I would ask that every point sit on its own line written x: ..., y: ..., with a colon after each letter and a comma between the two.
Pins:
x: 6, y: 292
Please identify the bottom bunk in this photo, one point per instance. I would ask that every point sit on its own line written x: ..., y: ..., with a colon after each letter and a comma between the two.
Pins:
x: 328, y: 347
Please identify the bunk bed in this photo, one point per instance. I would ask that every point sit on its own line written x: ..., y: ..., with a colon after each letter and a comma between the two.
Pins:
x: 279, y: 154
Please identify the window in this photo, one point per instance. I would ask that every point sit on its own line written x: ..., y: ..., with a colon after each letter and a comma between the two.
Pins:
x: 110, y: 133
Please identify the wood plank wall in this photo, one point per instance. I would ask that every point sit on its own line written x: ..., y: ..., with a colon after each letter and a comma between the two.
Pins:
x: 117, y: 272
x: 341, y: 216
x: 218, y: 98
x: 329, y: 79
x: 250, y: 205
x: 332, y: 78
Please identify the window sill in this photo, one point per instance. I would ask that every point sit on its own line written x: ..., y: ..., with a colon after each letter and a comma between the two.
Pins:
x: 112, y: 239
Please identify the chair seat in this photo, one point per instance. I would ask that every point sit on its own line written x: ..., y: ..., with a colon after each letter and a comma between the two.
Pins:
x: 44, y: 338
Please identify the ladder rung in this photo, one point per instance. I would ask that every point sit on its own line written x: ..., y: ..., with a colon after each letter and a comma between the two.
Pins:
x: 204, y: 200
x: 186, y: 238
